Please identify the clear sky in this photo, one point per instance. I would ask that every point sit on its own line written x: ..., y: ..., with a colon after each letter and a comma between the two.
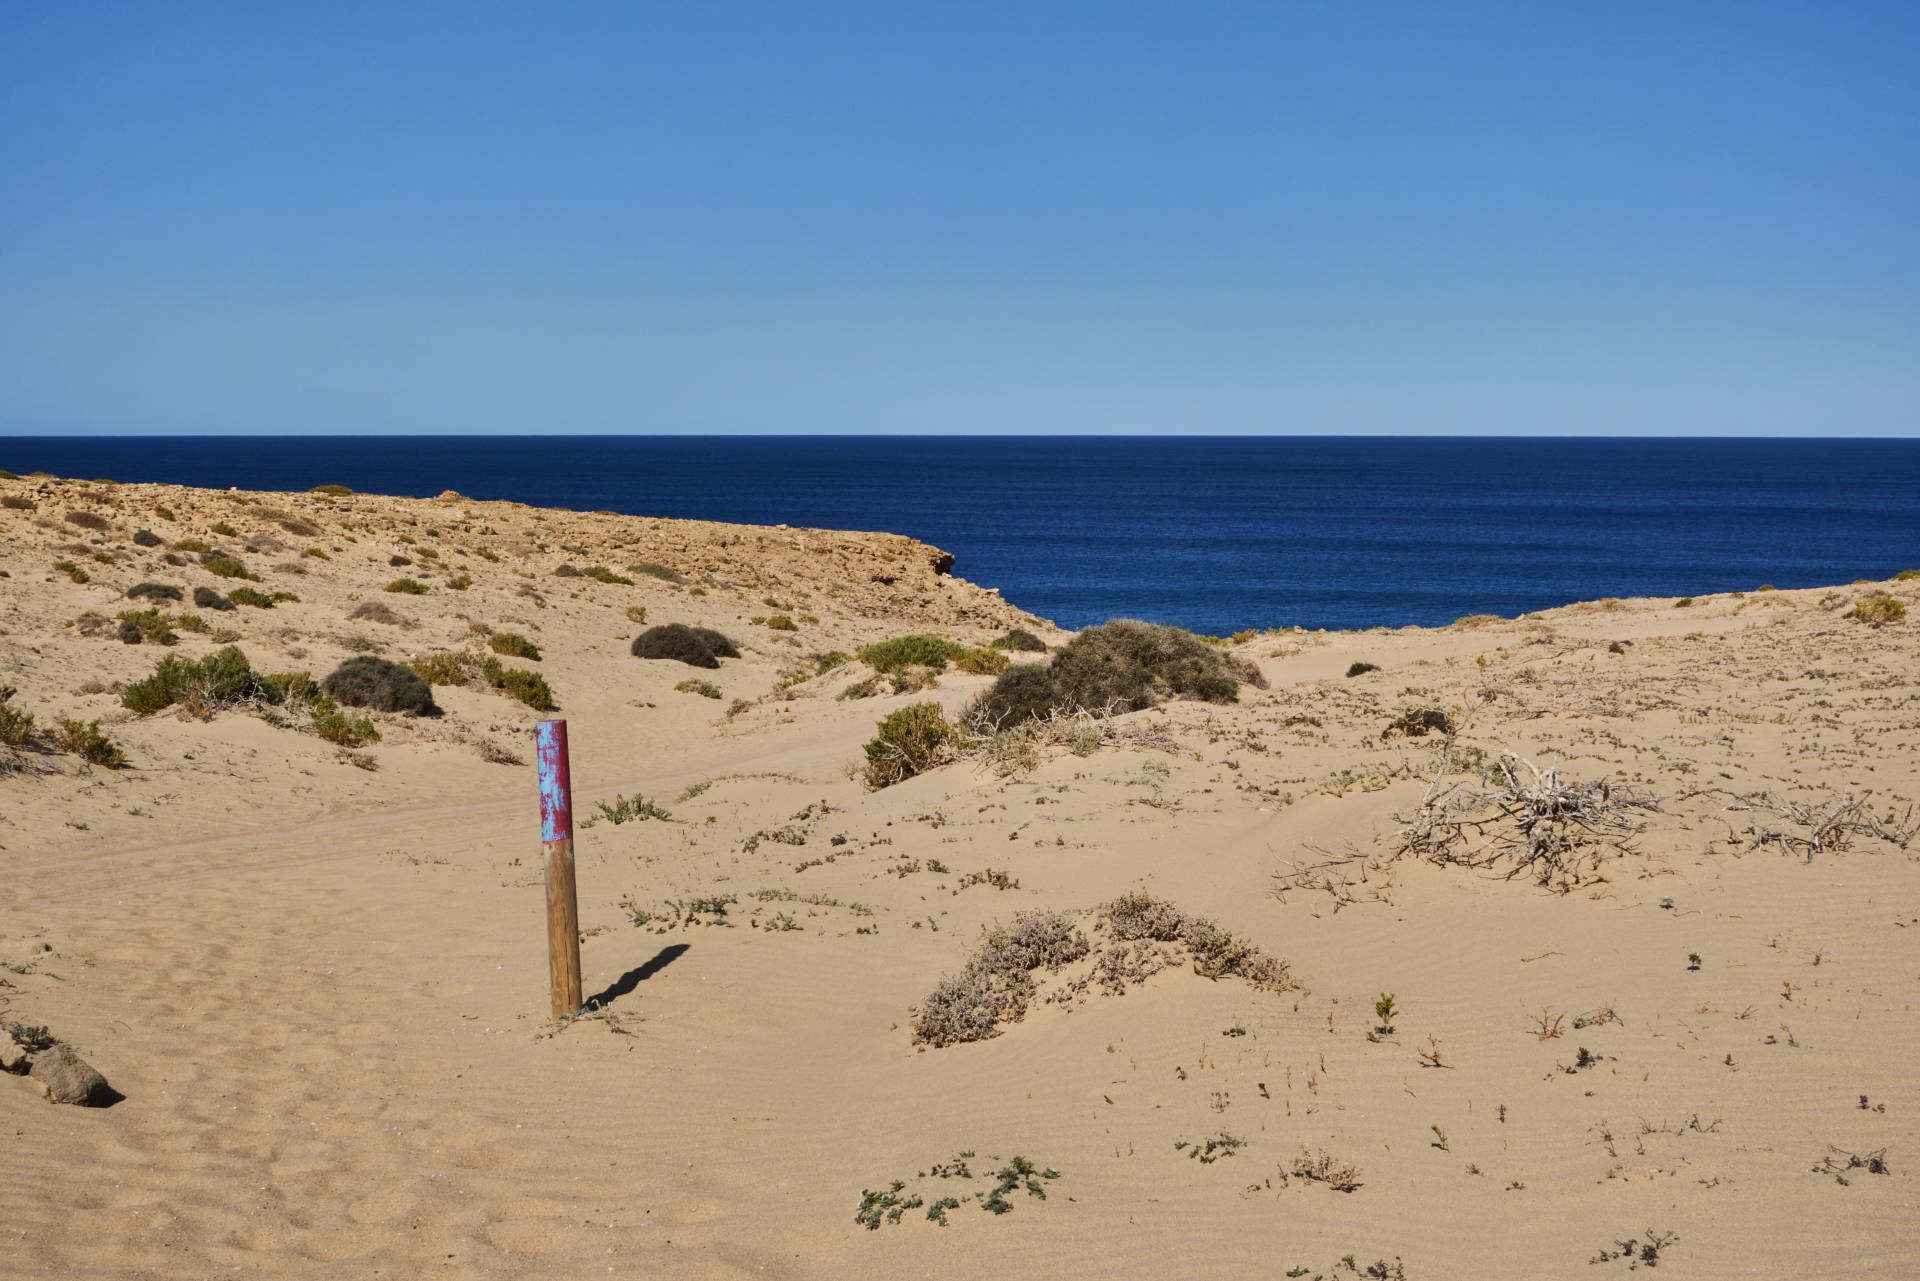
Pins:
x: 1478, y: 218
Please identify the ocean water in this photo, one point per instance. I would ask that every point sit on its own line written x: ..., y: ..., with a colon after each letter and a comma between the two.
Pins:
x: 1210, y: 533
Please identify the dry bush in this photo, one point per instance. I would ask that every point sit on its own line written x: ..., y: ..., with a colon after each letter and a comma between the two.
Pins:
x: 1814, y: 826
x: 1142, y: 935
x: 1319, y: 1166
x: 1556, y: 833
x: 374, y: 611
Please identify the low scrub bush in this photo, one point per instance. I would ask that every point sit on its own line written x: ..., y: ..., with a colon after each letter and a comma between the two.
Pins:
x: 782, y: 623
x: 223, y: 566
x: 662, y: 572
x: 896, y: 655
x: 335, y: 727
x: 1878, y: 609
x: 1361, y: 669
x: 84, y: 739
x: 1906, y: 575
x: 374, y: 611
x: 407, y: 587
x: 366, y: 681
x: 566, y: 571
x: 316, y: 553
x: 16, y: 726
x: 145, y: 538
x: 192, y: 623
x: 705, y: 689
x: 154, y: 591
x: 397, y: 561
x: 15, y: 502
x: 694, y: 646
x: 219, y: 679
x: 637, y: 614
x: 981, y: 662
x: 87, y: 520
x: 517, y: 682
x: 1021, y: 641
x: 444, y: 667
x: 197, y: 546
x: 1418, y: 723
x: 629, y: 809
x: 73, y: 571
x: 223, y: 529
x: 248, y: 596
x: 513, y: 645
x: 148, y: 625
x: 459, y: 583
x: 331, y: 491
x: 1120, y: 666
x: 207, y: 598
x: 910, y: 741
x: 601, y: 574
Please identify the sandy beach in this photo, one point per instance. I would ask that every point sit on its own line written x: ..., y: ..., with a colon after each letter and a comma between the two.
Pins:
x: 1676, y: 1030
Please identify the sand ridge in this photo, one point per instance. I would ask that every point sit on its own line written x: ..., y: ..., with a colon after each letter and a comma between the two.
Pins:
x: 321, y: 987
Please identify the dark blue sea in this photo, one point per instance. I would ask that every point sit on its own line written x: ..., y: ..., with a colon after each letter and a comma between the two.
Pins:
x: 1214, y: 534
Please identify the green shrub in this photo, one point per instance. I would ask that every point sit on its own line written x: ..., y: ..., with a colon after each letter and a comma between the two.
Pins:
x: 149, y: 624
x: 661, y: 572
x: 336, y: 728
x: 445, y: 667
x: 407, y: 587
x: 316, y: 553
x: 84, y: 739
x: 207, y: 598
x: 398, y: 561
x: 627, y: 809
x: 459, y: 583
x: 165, y: 513
x: 366, y: 681
x: 224, y: 566
x: 517, y: 682
x: 1022, y: 694
x: 16, y: 726
x: 221, y: 678
x: 910, y: 741
x: 706, y: 689
x: 145, y: 538
x: 1361, y: 669
x: 831, y: 659
x: 73, y: 571
x: 154, y: 591
x: 513, y: 645
x: 332, y: 491
x: 1906, y: 574
x: 282, y: 598
x: 600, y: 573
x: 192, y: 623
x: 694, y: 646
x: 1878, y: 609
x: 248, y: 596
x: 1022, y: 641
x: 902, y: 652
x: 1685, y: 602
x: 781, y: 623
x: 1127, y: 665
x: 194, y: 545
x: 981, y: 662
x: 637, y: 614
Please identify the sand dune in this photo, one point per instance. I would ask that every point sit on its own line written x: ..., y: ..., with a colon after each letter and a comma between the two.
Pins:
x: 317, y: 974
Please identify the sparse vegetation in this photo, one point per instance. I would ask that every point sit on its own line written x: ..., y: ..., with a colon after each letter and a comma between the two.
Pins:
x: 444, y: 667
x: 248, y: 596
x: 1121, y: 666
x: 207, y: 598
x: 601, y: 574
x: 406, y: 587
x: 154, y: 591
x: 1020, y: 641
x: 221, y: 565
x: 87, y: 520
x: 631, y: 809
x: 1361, y: 669
x: 1877, y: 609
x: 147, y: 625
x: 145, y: 538
x: 84, y: 739
x: 16, y: 726
x: 706, y: 689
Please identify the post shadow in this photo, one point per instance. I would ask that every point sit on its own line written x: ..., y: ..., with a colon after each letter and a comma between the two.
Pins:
x: 634, y: 978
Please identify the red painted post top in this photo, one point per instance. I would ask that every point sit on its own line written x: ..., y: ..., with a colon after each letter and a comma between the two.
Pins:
x: 556, y: 784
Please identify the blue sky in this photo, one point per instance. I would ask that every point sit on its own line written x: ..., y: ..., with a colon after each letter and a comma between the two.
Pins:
x: 1200, y: 218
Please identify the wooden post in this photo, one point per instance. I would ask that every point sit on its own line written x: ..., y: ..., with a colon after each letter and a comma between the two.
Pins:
x: 556, y: 836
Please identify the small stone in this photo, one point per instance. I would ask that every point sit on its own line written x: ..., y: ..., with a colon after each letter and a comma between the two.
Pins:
x: 68, y: 1078
x: 13, y: 1058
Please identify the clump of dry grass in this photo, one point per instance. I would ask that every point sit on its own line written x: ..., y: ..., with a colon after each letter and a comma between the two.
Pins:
x: 1557, y: 833
x: 1143, y: 935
